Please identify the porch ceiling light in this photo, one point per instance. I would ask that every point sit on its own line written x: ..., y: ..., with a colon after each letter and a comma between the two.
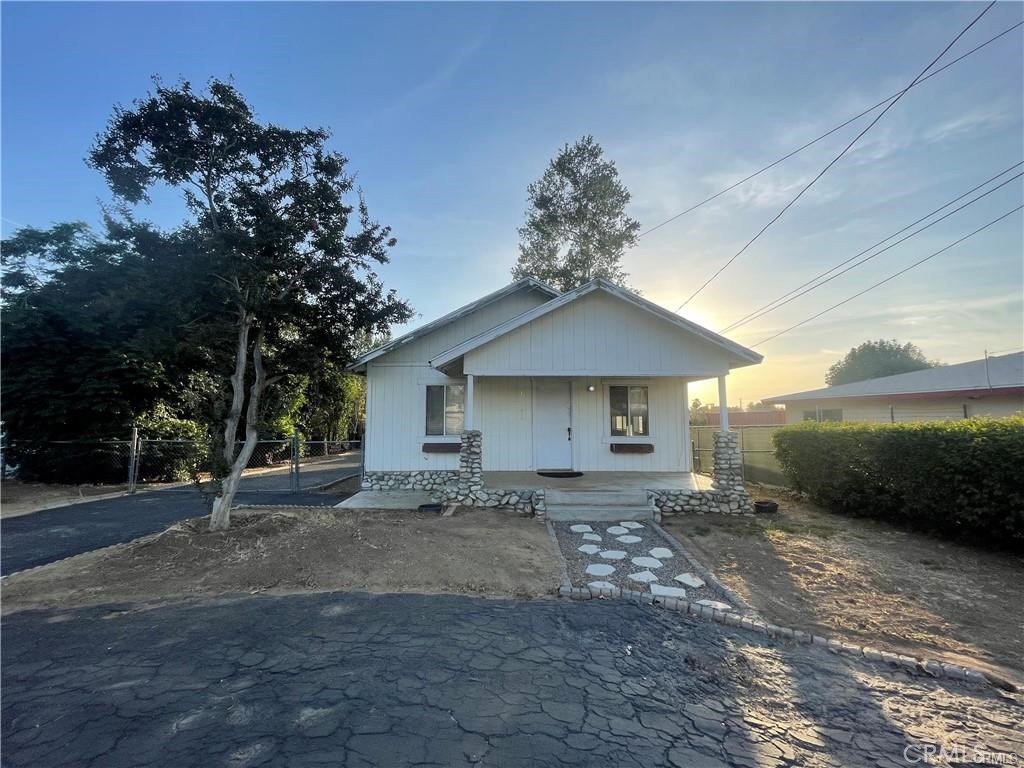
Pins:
x: 590, y: 387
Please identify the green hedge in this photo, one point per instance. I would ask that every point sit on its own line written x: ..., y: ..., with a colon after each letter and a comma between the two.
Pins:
x: 962, y: 479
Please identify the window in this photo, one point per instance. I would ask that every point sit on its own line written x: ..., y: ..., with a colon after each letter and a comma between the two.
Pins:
x: 446, y: 409
x: 824, y: 414
x: 628, y: 411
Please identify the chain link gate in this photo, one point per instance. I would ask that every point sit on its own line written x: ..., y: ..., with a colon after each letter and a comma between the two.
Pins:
x: 292, y: 465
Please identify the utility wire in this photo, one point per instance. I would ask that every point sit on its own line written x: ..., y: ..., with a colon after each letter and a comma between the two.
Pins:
x: 837, y: 158
x: 788, y: 297
x: 825, y: 135
x: 890, y: 277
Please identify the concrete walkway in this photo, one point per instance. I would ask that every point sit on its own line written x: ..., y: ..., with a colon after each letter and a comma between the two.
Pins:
x: 403, y: 680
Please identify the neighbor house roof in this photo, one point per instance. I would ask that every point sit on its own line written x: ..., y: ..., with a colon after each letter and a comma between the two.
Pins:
x: 451, y: 317
x: 994, y: 373
x: 741, y: 354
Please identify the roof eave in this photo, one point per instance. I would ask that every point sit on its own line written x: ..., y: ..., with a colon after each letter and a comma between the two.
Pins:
x: 359, y: 365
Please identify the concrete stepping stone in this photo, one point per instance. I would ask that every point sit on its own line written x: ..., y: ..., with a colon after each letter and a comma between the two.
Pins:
x: 591, y: 537
x: 580, y: 528
x: 613, y: 554
x: 661, y: 552
x: 617, y: 530
x: 647, y: 562
x: 591, y: 549
x: 631, y: 524
x: 601, y: 585
x: 718, y: 605
x: 663, y: 591
x: 690, y: 580
x: 627, y: 539
x: 600, y: 569
x: 645, y: 576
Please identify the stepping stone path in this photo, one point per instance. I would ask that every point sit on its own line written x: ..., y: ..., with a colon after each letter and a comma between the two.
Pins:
x: 585, y: 551
x: 718, y: 605
x: 645, y: 576
x: 690, y: 580
x: 663, y: 591
x: 646, y: 562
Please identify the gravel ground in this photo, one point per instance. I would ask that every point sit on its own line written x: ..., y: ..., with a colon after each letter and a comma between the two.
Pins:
x: 569, y: 541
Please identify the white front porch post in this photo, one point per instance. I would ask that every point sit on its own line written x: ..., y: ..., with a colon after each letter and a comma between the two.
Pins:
x: 723, y: 406
x: 469, y: 401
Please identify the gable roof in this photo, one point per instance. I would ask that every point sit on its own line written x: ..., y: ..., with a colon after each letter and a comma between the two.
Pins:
x: 526, y: 283
x: 1004, y: 372
x: 740, y: 353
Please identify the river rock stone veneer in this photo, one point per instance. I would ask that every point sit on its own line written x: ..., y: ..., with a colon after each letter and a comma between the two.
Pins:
x: 433, y: 480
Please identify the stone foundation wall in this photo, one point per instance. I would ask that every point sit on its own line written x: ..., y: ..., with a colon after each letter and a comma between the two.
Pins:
x: 679, y: 501
x: 433, y: 480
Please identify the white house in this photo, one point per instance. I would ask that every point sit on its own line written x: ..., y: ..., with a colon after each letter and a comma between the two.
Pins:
x: 992, y: 386
x: 527, y: 380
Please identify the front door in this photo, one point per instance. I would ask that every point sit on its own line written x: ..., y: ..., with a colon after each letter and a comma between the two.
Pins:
x: 552, y: 421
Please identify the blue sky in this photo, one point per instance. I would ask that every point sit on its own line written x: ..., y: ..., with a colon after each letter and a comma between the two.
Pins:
x: 447, y: 112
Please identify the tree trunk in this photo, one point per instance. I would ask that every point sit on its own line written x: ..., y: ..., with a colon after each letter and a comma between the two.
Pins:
x: 220, y: 517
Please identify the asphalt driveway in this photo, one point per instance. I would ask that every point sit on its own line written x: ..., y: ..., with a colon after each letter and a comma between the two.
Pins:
x: 400, y: 680
x: 53, y: 534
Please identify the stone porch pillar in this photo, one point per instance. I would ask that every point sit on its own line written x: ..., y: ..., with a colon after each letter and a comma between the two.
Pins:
x: 470, y: 466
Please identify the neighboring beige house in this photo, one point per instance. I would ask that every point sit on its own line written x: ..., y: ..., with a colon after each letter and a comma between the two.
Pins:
x: 992, y: 386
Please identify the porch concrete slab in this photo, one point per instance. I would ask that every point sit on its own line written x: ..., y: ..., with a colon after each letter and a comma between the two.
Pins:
x: 600, y: 481
x: 386, y: 500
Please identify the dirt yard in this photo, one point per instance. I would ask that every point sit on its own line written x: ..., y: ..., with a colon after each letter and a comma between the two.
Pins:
x: 866, y: 582
x: 305, y: 550
x: 23, y: 498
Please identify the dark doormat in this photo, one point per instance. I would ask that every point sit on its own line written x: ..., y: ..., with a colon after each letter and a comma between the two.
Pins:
x: 560, y: 474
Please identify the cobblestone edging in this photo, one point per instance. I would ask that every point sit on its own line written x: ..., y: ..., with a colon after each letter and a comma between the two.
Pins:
x: 753, y: 623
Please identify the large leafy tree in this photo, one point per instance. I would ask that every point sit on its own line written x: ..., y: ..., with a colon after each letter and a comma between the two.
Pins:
x: 96, y: 327
x: 874, y: 359
x: 576, y: 225
x: 291, y: 254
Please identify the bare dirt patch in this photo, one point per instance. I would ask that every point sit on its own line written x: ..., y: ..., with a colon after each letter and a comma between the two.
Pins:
x: 866, y: 582
x: 18, y: 498
x: 299, y: 550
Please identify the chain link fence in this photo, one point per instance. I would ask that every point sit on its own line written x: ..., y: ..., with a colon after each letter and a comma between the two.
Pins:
x: 756, y: 449
x: 275, y: 466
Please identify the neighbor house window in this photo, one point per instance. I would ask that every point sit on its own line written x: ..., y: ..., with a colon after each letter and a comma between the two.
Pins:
x: 628, y: 411
x: 446, y: 409
x: 825, y: 414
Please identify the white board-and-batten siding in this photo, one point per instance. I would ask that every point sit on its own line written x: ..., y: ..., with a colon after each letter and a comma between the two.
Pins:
x: 503, y: 412
x: 598, y: 335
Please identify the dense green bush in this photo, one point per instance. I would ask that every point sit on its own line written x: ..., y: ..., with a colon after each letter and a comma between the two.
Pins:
x: 962, y: 479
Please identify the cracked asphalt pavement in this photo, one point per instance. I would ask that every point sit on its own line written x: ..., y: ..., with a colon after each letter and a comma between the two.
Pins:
x: 401, y: 680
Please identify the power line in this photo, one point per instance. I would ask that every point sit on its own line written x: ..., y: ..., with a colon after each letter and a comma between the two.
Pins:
x: 788, y: 297
x: 890, y: 277
x: 826, y: 134
x: 837, y: 158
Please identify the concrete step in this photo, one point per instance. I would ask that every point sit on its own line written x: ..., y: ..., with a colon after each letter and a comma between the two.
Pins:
x: 596, y: 498
x: 602, y: 514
